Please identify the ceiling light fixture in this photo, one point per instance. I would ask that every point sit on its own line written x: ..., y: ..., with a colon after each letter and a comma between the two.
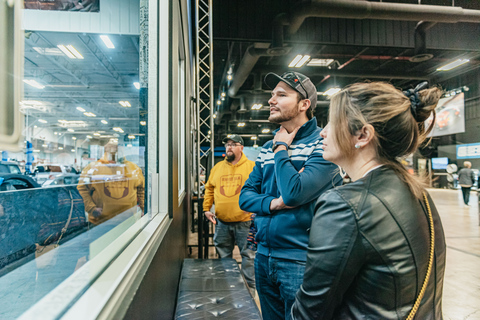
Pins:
x: 96, y: 134
x: 219, y: 102
x: 89, y: 137
x: 143, y: 123
x: 453, y: 64
x: 118, y: 129
x: 66, y: 51
x: 104, y: 121
x: 125, y: 104
x: 74, y: 138
x: 80, y: 109
x: 320, y: 62
x: 137, y: 85
x: 299, y: 61
x: 34, y: 83
x: 265, y: 130
x: 107, y: 41
x: 241, y: 124
x: 90, y: 114
x: 42, y: 121
x: 253, y: 138
x: 131, y: 136
x: 75, y: 52
x: 257, y: 106
x: 229, y: 77
x: 60, y: 148
x: 331, y: 91
x: 71, y: 130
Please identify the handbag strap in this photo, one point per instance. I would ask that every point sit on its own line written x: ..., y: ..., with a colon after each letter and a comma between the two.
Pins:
x: 430, y: 261
x: 64, y: 229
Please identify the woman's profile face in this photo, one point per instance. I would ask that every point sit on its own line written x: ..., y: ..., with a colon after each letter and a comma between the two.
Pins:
x: 331, y: 152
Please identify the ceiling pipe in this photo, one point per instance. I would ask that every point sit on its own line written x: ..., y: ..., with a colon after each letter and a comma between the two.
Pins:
x: 351, y: 9
x: 420, y: 53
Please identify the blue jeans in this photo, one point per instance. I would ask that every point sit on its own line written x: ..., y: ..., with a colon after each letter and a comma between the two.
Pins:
x: 278, y: 281
x: 226, y: 235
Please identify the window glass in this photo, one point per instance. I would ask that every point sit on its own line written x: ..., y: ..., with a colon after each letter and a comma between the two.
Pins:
x: 86, y: 185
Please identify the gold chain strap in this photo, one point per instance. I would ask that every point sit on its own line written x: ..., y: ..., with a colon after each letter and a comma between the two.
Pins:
x: 430, y: 262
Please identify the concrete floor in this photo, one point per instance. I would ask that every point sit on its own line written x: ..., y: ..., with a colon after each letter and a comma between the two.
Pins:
x: 461, y: 293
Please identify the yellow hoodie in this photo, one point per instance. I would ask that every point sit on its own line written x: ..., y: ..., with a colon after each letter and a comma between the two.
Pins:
x: 113, y: 187
x: 223, y: 188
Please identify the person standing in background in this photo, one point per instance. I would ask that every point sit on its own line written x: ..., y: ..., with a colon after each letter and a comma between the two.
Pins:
x: 466, y: 179
x: 223, y: 189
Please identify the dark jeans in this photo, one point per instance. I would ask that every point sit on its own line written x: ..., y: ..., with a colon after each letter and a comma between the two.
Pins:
x: 466, y: 194
x: 278, y: 281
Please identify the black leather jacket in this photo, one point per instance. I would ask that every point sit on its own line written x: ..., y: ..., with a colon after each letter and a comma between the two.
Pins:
x: 368, y: 253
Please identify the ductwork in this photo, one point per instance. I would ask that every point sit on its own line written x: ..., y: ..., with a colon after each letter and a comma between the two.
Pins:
x: 420, y: 53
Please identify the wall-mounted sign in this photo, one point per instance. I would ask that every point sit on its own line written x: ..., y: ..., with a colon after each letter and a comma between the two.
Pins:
x: 64, y: 5
x: 468, y: 151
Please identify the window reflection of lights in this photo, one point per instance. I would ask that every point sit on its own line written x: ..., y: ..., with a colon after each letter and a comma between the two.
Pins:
x: 42, y: 121
x: 453, y: 64
x: 104, y: 121
x: 81, y: 109
x: 137, y: 85
x: 143, y: 123
x: 241, y: 124
x: 131, y: 136
x: 125, y: 104
x: 90, y: 114
x: 265, y: 130
x: 107, y: 41
x: 34, y: 84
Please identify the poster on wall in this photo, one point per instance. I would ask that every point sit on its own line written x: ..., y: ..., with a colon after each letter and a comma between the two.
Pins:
x: 64, y: 5
x: 450, y: 116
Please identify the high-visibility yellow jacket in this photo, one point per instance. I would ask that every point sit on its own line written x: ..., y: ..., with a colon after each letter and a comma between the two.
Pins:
x: 114, y: 187
x: 223, y: 188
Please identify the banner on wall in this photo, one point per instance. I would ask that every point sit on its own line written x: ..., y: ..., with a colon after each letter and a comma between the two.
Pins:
x: 64, y: 5
x: 468, y: 151
x: 450, y: 116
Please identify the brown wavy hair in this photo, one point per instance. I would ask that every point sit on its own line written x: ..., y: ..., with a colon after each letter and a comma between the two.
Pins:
x: 398, y: 130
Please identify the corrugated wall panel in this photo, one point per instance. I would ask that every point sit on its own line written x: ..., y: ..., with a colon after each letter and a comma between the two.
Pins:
x: 115, y: 16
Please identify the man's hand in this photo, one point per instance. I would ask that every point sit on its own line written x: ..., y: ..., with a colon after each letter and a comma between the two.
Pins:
x: 210, y: 216
x: 97, y: 212
x: 278, y: 204
x: 284, y: 136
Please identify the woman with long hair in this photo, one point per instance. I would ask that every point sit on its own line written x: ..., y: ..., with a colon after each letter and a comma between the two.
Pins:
x: 376, y: 247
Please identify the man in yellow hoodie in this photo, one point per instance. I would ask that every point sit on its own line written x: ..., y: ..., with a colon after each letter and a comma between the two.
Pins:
x: 223, y: 189
x: 110, y: 187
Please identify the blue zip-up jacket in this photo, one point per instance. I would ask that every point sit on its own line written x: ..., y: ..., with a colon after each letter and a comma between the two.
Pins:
x: 284, y: 233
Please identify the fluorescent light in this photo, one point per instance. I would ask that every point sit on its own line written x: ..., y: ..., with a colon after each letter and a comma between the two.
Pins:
x: 302, y: 61
x: 320, y: 62
x: 265, y: 130
x: 241, y: 124
x: 34, y: 83
x: 66, y: 51
x: 74, y: 138
x: 31, y: 102
x: 131, y: 136
x: 143, y: 123
x: 80, y: 109
x: 253, y: 138
x: 42, y: 121
x: 73, y: 150
x: 125, y: 104
x: 295, y: 61
x: 257, y: 106
x: 55, y: 133
x: 36, y: 150
x: 74, y: 51
x: 331, y: 91
x: 453, y: 64
x: 44, y: 145
x: 137, y: 85
x: 96, y: 134
x: 104, y: 121
x: 70, y: 130
x: 107, y: 42
x: 118, y: 129
x: 89, y: 137
x: 60, y: 148
x: 90, y: 114
x: 229, y: 135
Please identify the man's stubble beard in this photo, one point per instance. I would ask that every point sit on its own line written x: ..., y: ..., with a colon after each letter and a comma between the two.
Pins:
x: 230, y: 158
x: 285, y: 116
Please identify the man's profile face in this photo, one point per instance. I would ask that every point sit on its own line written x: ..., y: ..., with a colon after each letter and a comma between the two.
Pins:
x: 233, y: 150
x: 284, y: 104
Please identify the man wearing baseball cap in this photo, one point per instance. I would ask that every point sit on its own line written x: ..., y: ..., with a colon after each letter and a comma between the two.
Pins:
x: 289, y: 175
x: 223, y: 189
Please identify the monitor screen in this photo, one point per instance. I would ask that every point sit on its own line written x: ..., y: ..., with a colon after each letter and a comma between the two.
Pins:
x: 439, y: 163
x: 450, y: 116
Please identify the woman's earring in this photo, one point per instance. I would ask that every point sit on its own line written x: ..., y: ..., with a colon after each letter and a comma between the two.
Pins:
x: 357, y: 146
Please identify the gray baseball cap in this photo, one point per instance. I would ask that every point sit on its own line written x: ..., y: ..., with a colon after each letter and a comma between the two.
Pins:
x: 299, y: 82
x: 235, y: 138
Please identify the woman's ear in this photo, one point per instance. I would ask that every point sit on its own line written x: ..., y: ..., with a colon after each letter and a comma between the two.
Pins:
x: 364, y: 135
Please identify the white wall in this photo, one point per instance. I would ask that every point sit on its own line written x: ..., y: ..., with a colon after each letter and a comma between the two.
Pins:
x: 115, y: 16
